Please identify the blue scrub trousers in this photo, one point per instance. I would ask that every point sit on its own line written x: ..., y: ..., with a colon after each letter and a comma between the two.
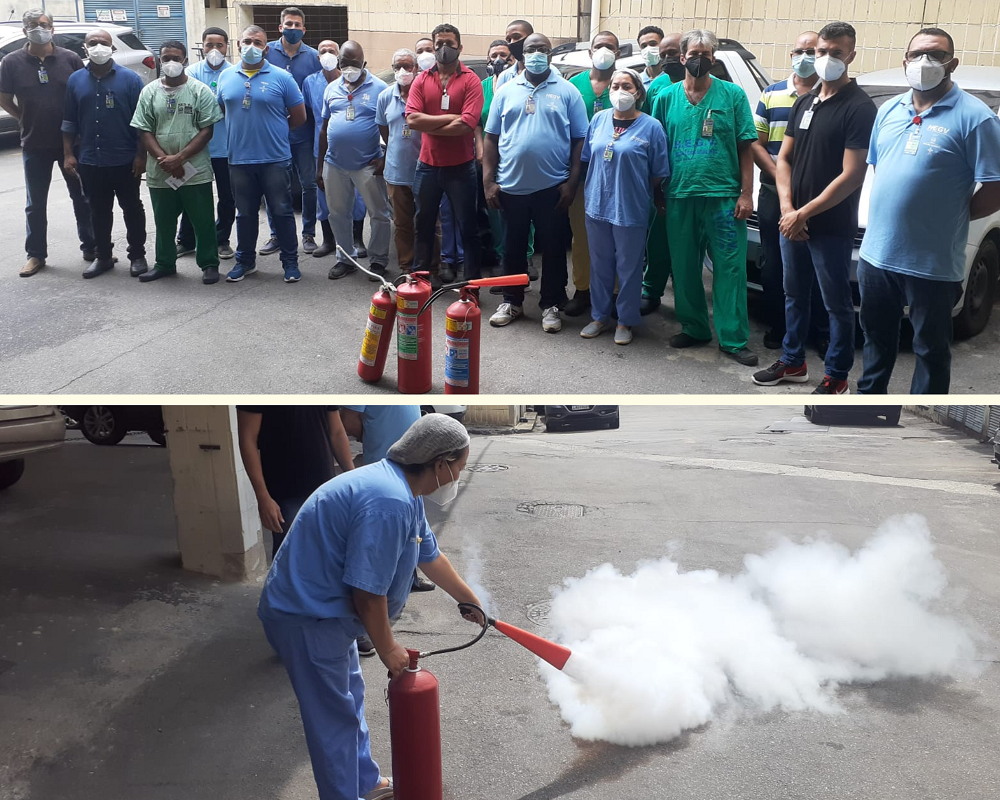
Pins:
x: 616, y: 251
x: 321, y: 658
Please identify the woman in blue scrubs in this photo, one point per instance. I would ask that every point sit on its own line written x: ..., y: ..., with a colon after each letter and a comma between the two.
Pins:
x: 344, y: 569
x: 627, y: 154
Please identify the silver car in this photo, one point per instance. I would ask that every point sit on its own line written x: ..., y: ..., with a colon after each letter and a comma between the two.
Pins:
x: 24, y: 432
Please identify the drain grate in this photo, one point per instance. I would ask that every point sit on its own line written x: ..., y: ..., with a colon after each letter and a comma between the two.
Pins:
x: 553, y: 510
x: 538, y: 613
x: 487, y: 468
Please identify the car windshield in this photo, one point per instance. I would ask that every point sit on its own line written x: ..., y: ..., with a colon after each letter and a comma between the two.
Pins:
x: 880, y: 94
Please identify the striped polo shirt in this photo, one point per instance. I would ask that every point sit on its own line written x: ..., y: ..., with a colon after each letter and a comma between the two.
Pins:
x: 771, y: 116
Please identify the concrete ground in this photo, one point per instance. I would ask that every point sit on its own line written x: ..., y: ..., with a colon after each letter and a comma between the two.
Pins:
x: 115, y: 335
x: 122, y: 676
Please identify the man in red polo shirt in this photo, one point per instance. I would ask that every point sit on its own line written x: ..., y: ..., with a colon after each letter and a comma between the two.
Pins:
x: 444, y: 105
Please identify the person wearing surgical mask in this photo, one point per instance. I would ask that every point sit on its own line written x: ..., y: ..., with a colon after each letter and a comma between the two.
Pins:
x: 262, y: 103
x: 649, y: 40
x: 33, y: 84
x: 345, y: 570
x: 627, y: 155
x: 593, y: 85
x: 771, y: 118
x: 930, y: 148
x: 711, y: 133
x: 214, y: 47
x: 100, y: 103
x: 821, y: 169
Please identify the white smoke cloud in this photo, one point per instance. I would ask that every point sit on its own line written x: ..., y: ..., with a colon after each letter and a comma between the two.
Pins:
x: 662, y: 650
x: 474, y: 575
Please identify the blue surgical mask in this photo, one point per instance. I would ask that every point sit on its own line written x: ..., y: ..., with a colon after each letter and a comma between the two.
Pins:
x: 804, y: 65
x: 293, y: 35
x: 251, y: 54
x: 536, y: 63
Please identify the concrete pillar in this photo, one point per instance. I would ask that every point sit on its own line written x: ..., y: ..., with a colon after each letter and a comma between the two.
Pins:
x: 218, y: 529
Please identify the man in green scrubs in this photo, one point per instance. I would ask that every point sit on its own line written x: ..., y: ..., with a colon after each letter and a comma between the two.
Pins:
x: 710, y: 131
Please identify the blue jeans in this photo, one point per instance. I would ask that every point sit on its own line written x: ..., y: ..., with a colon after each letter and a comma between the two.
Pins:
x: 825, y: 260
x: 304, y: 164
x: 430, y: 184
x: 452, y: 251
x: 37, y: 179
x: 273, y: 182
x: 883, y: 297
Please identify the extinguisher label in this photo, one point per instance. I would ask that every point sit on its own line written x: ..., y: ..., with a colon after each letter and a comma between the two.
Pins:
x: 456, y: 361
x: 457, y: 325
x: 369, y: 345
x: 406, y: 339
x: 378, y: 313
x: 402, y: 303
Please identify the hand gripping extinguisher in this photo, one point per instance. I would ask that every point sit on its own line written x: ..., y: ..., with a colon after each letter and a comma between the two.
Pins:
x: 378, y: 334
x: 413, y: 329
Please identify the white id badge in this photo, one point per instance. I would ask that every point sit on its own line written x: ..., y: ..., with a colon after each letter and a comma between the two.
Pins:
x: 445, y: 102
x: 807, y: 119
x: 913, y: 143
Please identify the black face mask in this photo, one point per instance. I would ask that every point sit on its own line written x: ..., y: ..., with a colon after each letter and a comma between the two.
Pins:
x: 698, y: 66
x: 517, y: 49
x: 446, y: 54
x: 674, y: 68
x: 496, y: 66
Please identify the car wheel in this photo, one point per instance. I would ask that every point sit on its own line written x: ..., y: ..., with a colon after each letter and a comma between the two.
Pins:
x: 160, y: 437
x: 101, y: 425
x: 980, y: 292
x: 11, y: 472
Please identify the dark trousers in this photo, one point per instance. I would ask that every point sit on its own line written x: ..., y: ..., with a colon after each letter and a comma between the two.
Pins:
x: 884, y: 294
x: 102, y: 185
x: 289, y: 510
x: 37, y: 179
x: 225, y: 208
x: 520, y: 211
x: 488, y: 248
x: 459, y: 184
x: 272, y: 182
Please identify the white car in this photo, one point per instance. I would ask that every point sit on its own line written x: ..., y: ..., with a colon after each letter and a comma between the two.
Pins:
x: 458, y: 412
x: 25, y: 431
x: 130, y: 52
x: 982, y: 251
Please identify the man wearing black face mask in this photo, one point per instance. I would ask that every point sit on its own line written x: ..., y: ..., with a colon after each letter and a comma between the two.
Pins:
x: 671, y: 69
x: 517, y: 32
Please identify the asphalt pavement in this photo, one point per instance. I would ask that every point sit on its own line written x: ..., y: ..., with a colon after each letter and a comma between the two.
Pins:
x: 112, y: 334
x: 123, y: 676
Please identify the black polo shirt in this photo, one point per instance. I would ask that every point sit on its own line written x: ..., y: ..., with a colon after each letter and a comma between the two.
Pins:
x: 839, y: 123
x: 40, y: 97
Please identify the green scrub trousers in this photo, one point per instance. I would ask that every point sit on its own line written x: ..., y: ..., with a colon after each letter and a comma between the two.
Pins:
x: 654, y: 277
x: 694, y: 225
x: 199, y: 205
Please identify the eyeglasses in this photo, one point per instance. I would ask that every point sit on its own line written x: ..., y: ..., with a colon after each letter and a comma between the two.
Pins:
x: 804, y: 51
x: 541, y: 48
x: 941, y: 56
x: 41, y: 25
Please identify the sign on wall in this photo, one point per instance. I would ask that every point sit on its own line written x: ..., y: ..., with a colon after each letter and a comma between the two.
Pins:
x: 119, y: 15
x: 163, y: 11
x: 104, y: 15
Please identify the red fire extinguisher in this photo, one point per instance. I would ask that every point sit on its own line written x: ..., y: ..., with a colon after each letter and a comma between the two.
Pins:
x: 415, y: 731
x: 413, y: 333
x: 461, y: 358
x: 378, y: 335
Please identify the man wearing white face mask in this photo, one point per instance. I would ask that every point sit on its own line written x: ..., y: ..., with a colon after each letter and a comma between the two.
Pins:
x: 313, y: 88
x: 100, y: 102
x: 649, y: 39
x: 930, y: 147
x: 344, y: 570
x: 821, y: 168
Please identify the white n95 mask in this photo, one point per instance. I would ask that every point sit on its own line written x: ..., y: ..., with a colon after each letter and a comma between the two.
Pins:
x: 446, y: 493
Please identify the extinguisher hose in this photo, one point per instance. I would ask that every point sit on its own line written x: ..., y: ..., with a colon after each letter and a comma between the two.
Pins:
x: 463, y: 607
x: 385, y: 284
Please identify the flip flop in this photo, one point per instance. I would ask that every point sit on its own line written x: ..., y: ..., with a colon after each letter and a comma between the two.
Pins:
x: 381, y: 792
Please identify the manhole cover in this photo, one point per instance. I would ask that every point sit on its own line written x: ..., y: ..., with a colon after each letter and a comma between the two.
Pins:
x: 487, y: 468
x: 553, y: 510
x: 539, y: 612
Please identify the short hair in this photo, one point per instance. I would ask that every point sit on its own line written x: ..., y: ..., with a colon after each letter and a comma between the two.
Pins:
x: 253, y: 29
x: 292, y: 11
x: 650, y: 29
x: 498, y: 43
x: 444, y: 27
x: 424, y: 39
x: 935, y: 32
x: 174, y: 44
x: 837, y: 30
x: 699, y: 36
x: 215, y: 32
x: 606, y: 33
x: 404, y: 51
x: 522, y: 23
x: 637, y: 80
x: 33, y: 15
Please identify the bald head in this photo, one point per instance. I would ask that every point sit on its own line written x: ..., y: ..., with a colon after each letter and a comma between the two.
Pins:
x: 670, y: 46
x: 328, y: 46
x: 98, y: 36
x: 352, y: 54
x: 806, y: 41
x: 535, y: 39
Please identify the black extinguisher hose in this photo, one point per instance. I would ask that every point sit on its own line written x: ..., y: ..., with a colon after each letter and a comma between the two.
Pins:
x: 463, y: 607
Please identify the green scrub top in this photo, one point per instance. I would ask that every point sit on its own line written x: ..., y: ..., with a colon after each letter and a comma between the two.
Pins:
x: 700, y: 165
x: 487, y: 100
x: 590, y: 100
x: 657, y: 85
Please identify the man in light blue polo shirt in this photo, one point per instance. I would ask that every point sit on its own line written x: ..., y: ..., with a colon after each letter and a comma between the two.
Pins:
x: 352, y: 157
x: 261, y: 103
x: 531, y: 168
x: 930, y: 147
x: 215, y: 47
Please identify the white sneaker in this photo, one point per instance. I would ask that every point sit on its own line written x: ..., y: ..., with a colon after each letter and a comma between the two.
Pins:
x: 551, y: 321
x: 505, y: 315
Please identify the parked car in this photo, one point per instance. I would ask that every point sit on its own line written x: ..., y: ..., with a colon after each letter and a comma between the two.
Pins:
x: 130, y: 51
x: 24, y: 432
x: 982, y: 253
x: 108, y: 425
x: 581, y: 416
x: 853, y: 415
x: 458, y: 412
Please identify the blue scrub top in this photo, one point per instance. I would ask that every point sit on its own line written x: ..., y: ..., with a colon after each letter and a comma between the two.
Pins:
x: 313, y: 88
x: 304, y: 63
x: 100, y: 110
x: 362, y: 530
x: 383, y: 427
x: 402, y: 152
x: 218, y: 147
x: 918, y: 214
x: 535, y: 148
x: 259, y: 134
x: 620, y: 191
x: 351, y: 144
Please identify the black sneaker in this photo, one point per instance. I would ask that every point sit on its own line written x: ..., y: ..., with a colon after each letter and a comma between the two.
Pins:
x: 139, y: 266
x: 647, y: 305
x: 578, y: 303
x: 271, y: 246
x: 681, y: 340
x: 744, y: 356
x: 446, y: 273
x: 780, y: 372
x: 378, y: 269
x: 773, y: 339
x: 831, y: 386
x: 421, y: 584
x: 340, y: 270
x: 210, y: 275
x: 365, y: 647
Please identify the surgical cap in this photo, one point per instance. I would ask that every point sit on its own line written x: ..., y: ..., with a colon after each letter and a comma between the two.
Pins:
x: 430, y: 437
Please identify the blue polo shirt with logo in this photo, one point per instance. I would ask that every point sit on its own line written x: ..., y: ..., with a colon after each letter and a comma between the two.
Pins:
x: 100, y: 110
x: 313, y: 89
x: 535, y: 147
x: 352, y: 143
x: 304, y: 63
x: 203, y: 72
x: 259, y: 134
x: 402, y: 151
x: 918, y: 215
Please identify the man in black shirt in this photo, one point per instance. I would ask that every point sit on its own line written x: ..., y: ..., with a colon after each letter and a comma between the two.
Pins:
x: 821, y: 168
